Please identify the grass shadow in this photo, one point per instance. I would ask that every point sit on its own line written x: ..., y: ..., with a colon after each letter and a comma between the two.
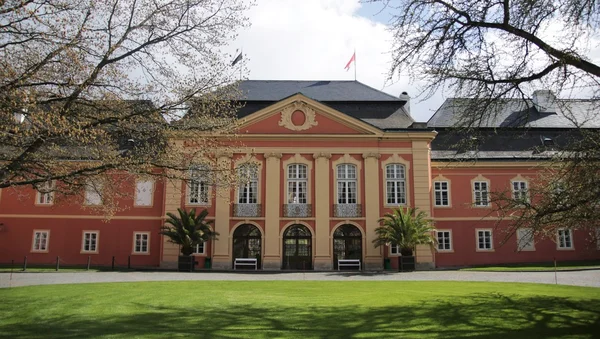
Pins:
x: 491, y: 315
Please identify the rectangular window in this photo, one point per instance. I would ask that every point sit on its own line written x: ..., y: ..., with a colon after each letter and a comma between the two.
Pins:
x: 444, y: 241
x: 525, y: 239
x: 200, y: 248
x: 144, y: 191
x: 92, y: 194
x: 565, y: 239
x: 248, y: 191
x: 484, y: 240
x: 346, y: 184
x: 395, y: 184
x: 45, y: 193
x: 441, y: 195
x: 480, y: 193
x: 297, y: 184
x: 394, y: 250
x: 90, y: 242
x: 198, y: 187
x: 140, y: 244
x: 198, y: 193
x: 519, y: 190
x: 41, y: 241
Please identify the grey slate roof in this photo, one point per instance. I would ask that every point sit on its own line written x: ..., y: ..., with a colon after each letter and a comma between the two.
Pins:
x: 275, y: 90
x: 353, y: 98
x: 516, y: 113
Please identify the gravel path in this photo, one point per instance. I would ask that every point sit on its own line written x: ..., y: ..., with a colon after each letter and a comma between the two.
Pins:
x: 577, y: 278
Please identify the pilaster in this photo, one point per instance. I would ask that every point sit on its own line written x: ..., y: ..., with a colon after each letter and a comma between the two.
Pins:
x: 222, y: 259
x: 170, y: 251
x: 373, y: 258
x: 422, y: 193
x: 323, y: 260
x: 272, y: 258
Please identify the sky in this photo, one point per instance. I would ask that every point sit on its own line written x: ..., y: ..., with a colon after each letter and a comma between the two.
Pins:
x: 314, y: 39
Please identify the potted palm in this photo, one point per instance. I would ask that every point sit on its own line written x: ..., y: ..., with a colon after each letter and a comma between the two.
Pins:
x: 188, y: 230
x: 405, y: 229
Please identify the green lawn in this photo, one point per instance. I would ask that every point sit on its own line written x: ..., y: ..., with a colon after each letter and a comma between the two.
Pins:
x: 542, y: 267
x: 300, y: 309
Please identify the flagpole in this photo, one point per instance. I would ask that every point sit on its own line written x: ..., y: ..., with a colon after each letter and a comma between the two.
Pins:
x: 354, y: 64
x: 242, y: 63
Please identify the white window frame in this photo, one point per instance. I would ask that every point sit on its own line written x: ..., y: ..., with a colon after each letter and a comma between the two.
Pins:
x: 449, y: 237
x: 397, y: 178
x: 520, y: 193
x: 478, y: 243
x: 439, y: 191
x: 138, y: 192
x: 92, y: 194
x: 394, y: 250
x: 248, y: 191
x: 346, y: 194
x: 198, y: 247
x: 198, y: 188
x: 147, y: 240
x: 38, y: 249
x: 96, y: 241
x: 45, y: 193
x: 524, y: 244
x: 298, y: 183
x: 561, y: 239
x: 480, y: 194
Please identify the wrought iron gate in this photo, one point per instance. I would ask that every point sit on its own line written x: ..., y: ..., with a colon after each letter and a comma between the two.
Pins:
x: 247, y: 243
x: 347, y: 244
x: 297, y: 248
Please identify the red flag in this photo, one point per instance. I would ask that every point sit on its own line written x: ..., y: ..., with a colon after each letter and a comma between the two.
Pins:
x: 351, y: 60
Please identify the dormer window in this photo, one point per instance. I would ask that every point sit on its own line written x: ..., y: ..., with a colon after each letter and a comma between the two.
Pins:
x: 547, y: 141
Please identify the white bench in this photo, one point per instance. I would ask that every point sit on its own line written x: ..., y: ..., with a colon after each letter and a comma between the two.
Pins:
x: 348, y: 263
x: 245, y: 262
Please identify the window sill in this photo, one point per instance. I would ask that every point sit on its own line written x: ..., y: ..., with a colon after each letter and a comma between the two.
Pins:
x: 88, y: 252
x: 442, y: 206
x: 198, y: 204
x: 140, y: 253
x: 565, y: 249
x: 483, y: 250
x: 199, y: 254
x: 37, y: 251
x: 143, y: 206
x: 43, y: 205
x: 445, y: 251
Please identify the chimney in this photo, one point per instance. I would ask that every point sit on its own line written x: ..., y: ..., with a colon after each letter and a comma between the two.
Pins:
x: 544, y: 101
x: 406, y: 97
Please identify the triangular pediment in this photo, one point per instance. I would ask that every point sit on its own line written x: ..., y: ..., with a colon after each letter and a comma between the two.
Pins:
x: 299, y: 114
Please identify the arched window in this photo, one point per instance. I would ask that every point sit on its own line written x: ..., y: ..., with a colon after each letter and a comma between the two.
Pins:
x: 297, y: 183
x: 346, y: 184
x: 395, y: 183
x: 248, y: 190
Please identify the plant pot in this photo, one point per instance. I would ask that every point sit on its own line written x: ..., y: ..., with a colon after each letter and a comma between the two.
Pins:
x: 186, y: 263
x: 406, y: 264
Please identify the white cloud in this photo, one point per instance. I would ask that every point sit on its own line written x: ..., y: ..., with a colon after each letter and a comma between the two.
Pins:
x: 314, y: 39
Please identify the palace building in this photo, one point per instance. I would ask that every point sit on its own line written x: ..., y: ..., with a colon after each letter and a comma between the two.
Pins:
x: 329, y: 159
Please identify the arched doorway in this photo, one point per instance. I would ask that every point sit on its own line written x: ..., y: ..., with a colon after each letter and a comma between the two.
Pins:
x: 347, y: 243
x: 247, y: 243
x: 297, y: 248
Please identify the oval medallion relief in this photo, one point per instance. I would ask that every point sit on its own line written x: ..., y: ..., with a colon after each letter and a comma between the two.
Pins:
x: 298, y: 117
